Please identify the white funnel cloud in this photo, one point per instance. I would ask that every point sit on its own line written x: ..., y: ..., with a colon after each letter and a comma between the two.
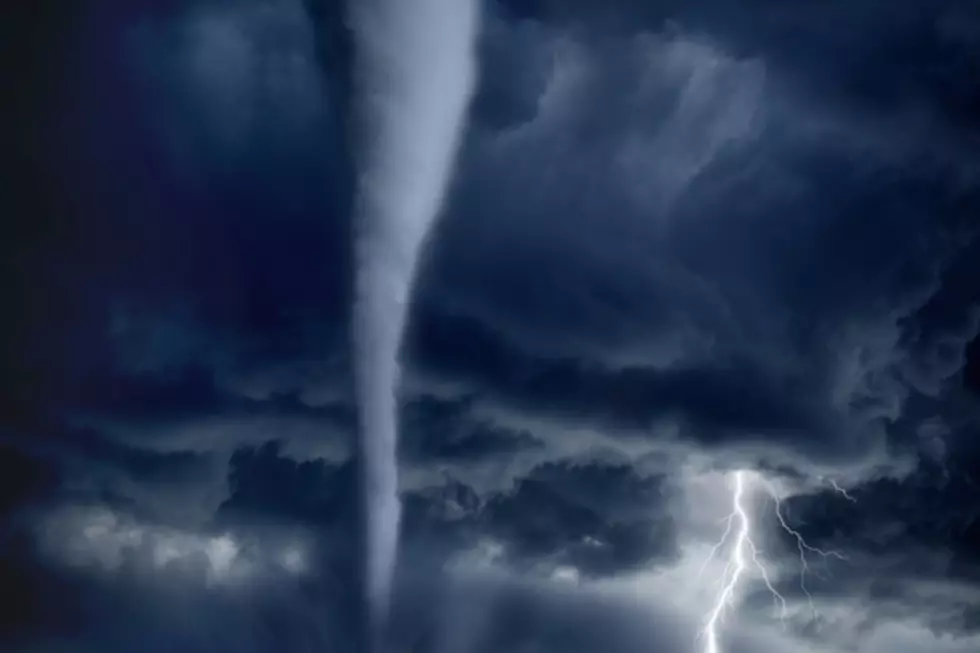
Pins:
x: 414, y: 74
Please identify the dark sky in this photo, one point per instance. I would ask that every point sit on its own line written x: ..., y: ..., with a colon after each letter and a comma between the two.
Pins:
x: 683, y: 238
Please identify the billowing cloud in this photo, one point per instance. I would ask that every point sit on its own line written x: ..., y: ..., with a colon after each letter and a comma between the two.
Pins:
x: 104, y: 540
x: 683, y: 238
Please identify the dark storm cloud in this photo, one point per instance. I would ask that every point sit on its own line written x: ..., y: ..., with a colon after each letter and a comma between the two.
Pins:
x: 598, y: 519
x: 267, y: 484
x: 880, y: 53
x: 52, y: 464
x: 788, y: 274
x: 930, y: 510
x: 445, y: 429
x: 82, y: 565
x: 139, y: 208
x: 115, y: 614
x: 114, y: 574
x: 703, y: 310
x: 734, y: 231
x: 631, y: 399
x: 192, y: 393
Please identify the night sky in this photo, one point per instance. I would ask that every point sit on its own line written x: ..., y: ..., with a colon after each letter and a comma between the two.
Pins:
x: 682, y: 238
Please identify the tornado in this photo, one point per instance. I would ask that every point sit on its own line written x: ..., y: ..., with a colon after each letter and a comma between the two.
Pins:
x: 414, y: 71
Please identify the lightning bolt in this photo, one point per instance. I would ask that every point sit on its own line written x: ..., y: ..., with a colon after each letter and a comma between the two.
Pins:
x: 743, y: 552
x: 746, y: 555
x: 841, y: 491
x: 802, y: 545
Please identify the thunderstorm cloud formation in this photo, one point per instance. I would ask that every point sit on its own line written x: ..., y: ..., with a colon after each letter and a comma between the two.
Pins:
x: 691, y: 360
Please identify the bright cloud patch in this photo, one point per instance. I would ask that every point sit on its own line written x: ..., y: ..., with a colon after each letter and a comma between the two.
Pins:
x: 106, y: 540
